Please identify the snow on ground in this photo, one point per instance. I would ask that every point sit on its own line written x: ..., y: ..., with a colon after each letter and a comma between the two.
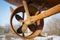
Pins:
x: 2, y: 37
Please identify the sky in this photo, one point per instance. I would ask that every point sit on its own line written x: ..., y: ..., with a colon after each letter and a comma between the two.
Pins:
x: 5, y: 12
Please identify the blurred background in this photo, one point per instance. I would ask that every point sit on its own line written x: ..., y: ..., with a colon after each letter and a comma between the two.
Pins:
x: 51, y: 24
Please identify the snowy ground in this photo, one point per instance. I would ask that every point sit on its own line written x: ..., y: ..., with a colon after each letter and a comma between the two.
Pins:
x: 2, y: 37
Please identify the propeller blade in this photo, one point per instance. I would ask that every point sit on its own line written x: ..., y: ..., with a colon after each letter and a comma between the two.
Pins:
x: 19, y: 18
x: 37, y: 13
x: 38, y: 21
x: 24, y: 27
x: 26, y: 8
x: 19, y: 30
x: 11, y: 9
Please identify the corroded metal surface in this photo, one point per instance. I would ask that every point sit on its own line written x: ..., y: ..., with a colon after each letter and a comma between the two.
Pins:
x: 32, y: 27
x: 34, y: 20
x: 49, y: 3
x: 51, y: 11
